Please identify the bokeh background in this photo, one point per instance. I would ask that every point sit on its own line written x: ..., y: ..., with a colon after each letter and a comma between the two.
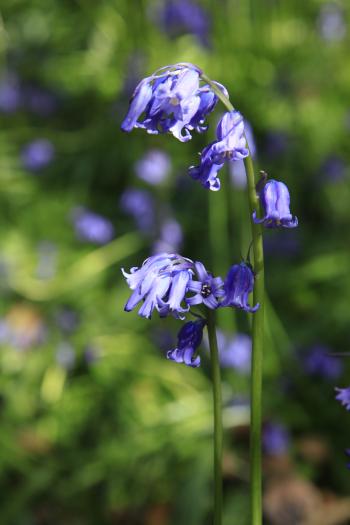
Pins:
x: 97, y: 427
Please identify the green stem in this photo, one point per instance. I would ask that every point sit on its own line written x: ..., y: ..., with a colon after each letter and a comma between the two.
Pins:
x: 217, y: 403
x: 257, y: 333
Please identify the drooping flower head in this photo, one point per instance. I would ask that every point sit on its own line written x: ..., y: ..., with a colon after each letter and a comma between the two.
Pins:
x: 171, y: 100
x: 343, y: 396
x: 161, y: 283
x: 188, y: 339
x: 164, y: 281
x: 208, y: 289
x: 239, y: 283
x: 229, y: 146
x: 275, y: 201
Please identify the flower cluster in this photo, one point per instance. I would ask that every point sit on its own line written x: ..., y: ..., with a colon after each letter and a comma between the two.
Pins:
x: 171, y: 100
x: 172, y: 284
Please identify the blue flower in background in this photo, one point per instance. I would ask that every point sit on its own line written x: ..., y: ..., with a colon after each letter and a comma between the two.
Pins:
x: 184, y: 16
x: 91, y: 227
x: 331, y: 22
x: 171, y: 237
x: 208, y: 288
x: 39, y: 101
x: 10, y: 94
x: 37, y: 155
x: 161, y: 283
x: 275, y: 200
x: 173, y: 101
x: 139, y: 204
x: 239, y: 283
x: 319, y: 362
x: 229, y: 146
x: 333, y: 169
x: 65, y: 355
x: 235, y: 352
x: 343, y: 395
x: 188, y: 339
x: 154, y: 167
x: 275, y: 439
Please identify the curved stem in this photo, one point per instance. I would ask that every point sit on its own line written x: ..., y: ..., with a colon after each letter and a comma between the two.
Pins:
x: 217, y: 403
x: 257, y: 332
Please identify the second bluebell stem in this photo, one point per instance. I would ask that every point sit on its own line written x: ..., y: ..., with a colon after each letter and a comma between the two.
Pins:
x: 257, y: 333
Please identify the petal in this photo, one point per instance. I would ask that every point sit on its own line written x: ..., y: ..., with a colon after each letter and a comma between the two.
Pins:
x: 138, y: 104
x: 201, y: 271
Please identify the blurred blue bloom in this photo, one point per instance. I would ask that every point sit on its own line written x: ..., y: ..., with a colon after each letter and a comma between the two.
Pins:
x: 91, y: 227
x: 275, y: 200
x: 343, y: 396
x: 318, y: 362
x: 171, y: 237
x: 283, y: 244
x: 236, y: 352
x: 10, y: 94
x: 91, y: 354
x: 65, y: 355
x: 347, y: 452
x: 239, y: 283
x: 67, y: 320
x: 229, y: 146
x: 331, y: 22
x: 333, y: 169
x: 39, y: 101
x: 208, y: 289
x: 37, y: 154
x: 184, y: 16
x: 161, y: 283
x: 171, y: 100
x: 275, y: 439
x: 139, y: 204
x: 154, y: 167
x: 276, y: 143
x: 188, y: 339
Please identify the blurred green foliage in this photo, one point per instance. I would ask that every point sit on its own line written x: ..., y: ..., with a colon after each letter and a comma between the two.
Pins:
x: 96, y: 426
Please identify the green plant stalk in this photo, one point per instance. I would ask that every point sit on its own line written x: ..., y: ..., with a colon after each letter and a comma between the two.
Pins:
x: 217, y: 403
x: 257, y: 333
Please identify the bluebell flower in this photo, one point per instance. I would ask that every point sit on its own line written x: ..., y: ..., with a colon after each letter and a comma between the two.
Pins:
x: 37, y: 154
x: 208, y: 289
x: 161, y: 283
x: 275, y: 201
x: 91, y: 227
x: 229, y: 146
x: 139, y: 204
x: 184, y: 16
x: 343, y: 396
x: 188, y: 339
x: 319, y: 362
x: 154, y: 167
x: 275, y: 439
x: 173, y: 101
x: 239, y: 283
